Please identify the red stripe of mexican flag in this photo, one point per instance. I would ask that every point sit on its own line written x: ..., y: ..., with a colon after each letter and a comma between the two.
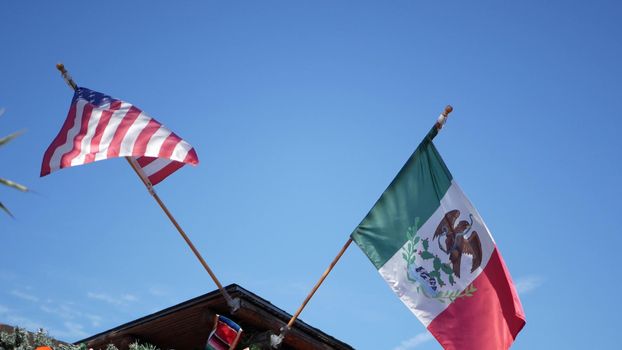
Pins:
x: 432, y: 247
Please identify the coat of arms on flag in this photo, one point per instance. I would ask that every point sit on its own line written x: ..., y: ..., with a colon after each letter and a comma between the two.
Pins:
x: 99, y: 127
x: 225, y: 335
x: 433, y: 249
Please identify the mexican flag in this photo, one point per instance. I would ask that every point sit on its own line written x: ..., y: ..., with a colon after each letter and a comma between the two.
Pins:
x: 433, y: 249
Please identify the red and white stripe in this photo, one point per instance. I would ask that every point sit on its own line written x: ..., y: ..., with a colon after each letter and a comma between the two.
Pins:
x: 118, y: 129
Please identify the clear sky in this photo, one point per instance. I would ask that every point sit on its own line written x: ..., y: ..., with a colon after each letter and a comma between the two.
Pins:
x: 302, y: 112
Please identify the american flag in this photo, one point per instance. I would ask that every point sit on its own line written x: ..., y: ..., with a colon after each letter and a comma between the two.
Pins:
x: 101, y: 127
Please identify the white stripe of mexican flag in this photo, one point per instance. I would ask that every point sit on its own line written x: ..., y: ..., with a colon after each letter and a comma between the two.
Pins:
x: 434, y: 250
x: 427, y: 306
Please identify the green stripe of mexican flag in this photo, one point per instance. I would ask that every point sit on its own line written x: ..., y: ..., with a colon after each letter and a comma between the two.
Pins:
x: 415, y: 193
x: 431, y: 246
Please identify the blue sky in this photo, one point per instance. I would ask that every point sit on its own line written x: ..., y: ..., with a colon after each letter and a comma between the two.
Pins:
x: 302, y: 112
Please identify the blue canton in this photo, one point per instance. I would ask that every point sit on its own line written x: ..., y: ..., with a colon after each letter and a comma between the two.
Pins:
x: 93, y: 97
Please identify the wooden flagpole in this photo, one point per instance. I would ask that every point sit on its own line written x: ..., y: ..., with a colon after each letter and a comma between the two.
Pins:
x: 276, y: 341
x: 155, y: 196
x: 317, y: 285
x: 233, y: 304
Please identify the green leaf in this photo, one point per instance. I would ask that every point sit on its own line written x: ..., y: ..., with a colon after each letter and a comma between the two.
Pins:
x: 425, y: 255
x: 14, y: 185
x: 426, y: 244
x: 416, y: 240
x: 451, y: 280
x: 437, y: 263
x: 447, y: 269
x: 5, y: 209
x: 6, y: 139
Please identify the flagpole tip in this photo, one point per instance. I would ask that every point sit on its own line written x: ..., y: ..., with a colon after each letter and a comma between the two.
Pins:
x: 66, y: 76
x: 448, y: 110
x: 443, y: 117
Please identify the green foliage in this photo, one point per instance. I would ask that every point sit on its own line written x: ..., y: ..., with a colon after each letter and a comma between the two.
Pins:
x: 413, y: 239
x: 426, y: 244
x: 5, y: 182
x: 438, y: 265
x: 138, y: 346
x: 20, y: 339
x: 450, y: 296
x: 42, y: 338
x: 409, y: 252
x: 426, y: 255
x: 448, y: 270
x: 451, y: 280
x: 70, y: 347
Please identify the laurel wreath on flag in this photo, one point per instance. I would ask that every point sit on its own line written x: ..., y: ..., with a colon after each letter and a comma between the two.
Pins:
x: 417, y: 246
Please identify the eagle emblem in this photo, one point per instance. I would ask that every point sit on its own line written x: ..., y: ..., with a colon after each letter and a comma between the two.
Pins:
x: 454, y: 239
x: 455, y: 242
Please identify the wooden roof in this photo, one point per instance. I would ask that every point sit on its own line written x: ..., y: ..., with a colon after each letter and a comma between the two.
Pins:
x: 186, y: 326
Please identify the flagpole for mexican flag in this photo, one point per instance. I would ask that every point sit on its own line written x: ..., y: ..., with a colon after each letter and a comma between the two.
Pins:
x: 277, y: 339
x: 233, y: 304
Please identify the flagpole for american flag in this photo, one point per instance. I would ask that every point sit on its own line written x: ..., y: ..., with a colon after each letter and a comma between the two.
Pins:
x: 233, y: 304
x: 276, y: 341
